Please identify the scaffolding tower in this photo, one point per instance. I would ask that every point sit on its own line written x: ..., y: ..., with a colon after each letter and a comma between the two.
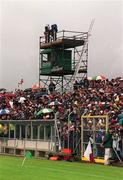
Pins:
x: 63, y: 60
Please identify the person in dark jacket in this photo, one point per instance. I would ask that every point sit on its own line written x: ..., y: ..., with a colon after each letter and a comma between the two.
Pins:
x: 52, y: 86
x: 47, y: 34
x: 53, y: 31
x: 107, y: 144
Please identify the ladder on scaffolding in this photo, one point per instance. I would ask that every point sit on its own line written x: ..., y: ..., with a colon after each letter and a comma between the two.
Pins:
x: 84, y: 48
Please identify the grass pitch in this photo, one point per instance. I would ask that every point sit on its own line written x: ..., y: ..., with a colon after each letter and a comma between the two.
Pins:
x: 36, y: 169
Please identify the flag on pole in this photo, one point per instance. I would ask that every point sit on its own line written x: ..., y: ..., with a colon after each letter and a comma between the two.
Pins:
x: 20, y: 82
x: 27, y: 155
x: 88, y: 153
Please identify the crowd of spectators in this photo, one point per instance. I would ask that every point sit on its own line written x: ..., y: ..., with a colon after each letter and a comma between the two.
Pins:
x: 89, y: 97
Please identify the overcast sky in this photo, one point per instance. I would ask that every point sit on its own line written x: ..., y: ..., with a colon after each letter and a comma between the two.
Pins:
x: 23, y: 21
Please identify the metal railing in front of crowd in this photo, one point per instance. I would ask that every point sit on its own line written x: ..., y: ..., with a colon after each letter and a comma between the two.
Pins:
x: 93, y: 129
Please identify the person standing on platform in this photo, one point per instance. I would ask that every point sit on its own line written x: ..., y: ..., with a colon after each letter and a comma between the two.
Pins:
x: 54, y: 31
x: 47, y: 34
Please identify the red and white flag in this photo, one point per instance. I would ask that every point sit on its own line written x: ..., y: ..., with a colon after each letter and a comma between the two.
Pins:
x: 88, y: 153
x: 21, y: 81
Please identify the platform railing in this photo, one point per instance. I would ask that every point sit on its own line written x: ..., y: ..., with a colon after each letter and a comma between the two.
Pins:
x: 65, y: 34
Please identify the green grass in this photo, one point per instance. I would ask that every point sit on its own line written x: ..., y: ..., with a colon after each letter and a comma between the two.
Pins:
x: 36, y: 169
